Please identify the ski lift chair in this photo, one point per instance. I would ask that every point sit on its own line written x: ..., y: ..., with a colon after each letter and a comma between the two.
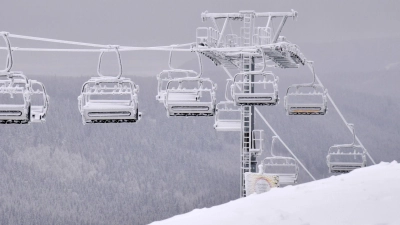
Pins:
x: 15, y: 105
x: 306, y: 99
x: 166, y: 75
x: 14, y: 92
x: 346, y: 157
x: 228, y: 117
x: 306, y: 102
x: 285, y: 168
x: 258, y: 141
x: 107, y: 99
x: 190, y: 97
x: 38, y: 110
x: 264, y: 85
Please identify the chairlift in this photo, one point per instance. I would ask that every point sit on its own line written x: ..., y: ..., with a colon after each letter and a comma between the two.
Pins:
x: 346, y: 157
x: 284, y: 167
x: 107, y: 99
x: 190, y: 97
x: 166, y: 75
x: 306, y: 99
x: 257, y: 147
x: 263, y: 85
x: 228, y: 117
x: 18, y: 95
x: 255, y: 87
x: 15, y: 105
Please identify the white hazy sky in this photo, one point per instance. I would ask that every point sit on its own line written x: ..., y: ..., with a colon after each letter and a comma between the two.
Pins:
x: 163, y: 22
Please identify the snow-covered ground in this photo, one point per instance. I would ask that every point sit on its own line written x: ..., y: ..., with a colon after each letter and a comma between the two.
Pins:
x: 368, y: 196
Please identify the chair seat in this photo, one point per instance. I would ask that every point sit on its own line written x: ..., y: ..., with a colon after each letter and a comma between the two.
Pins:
x: 187, y: 96
x: 228, y: 126
x: 108, y: 104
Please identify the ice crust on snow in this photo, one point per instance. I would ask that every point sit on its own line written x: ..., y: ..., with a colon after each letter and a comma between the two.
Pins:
x: 367, y: 196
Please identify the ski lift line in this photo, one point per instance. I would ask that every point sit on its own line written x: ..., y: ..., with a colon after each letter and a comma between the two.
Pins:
x: 242, y: 50
x: 82, y: 43
x: 57, y: 41
x: 95, y: 50
x: 345, y: 122
x: 284, y: 144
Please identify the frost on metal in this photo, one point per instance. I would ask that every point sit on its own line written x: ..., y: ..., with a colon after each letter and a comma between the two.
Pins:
x: 22, y: 100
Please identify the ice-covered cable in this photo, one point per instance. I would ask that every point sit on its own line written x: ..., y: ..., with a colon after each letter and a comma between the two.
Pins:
x: 284, y: 144
x: 95, y: 50
x: 124, y: 49
x: 345, y: 122
x: 79, y: 43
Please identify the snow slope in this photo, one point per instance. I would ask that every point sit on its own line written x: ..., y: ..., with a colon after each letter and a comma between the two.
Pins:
x: 365, y: 196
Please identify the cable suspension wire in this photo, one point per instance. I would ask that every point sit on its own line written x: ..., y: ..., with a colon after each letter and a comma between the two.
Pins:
x: 273, y: 131
x: 162, y: 48
x: 121, y: 48
x: 95, y: 50
x: 284, y: 144
x: 57, y: 41
x: 81, y: 43
x: 104, y: 48
x: 345, y: 122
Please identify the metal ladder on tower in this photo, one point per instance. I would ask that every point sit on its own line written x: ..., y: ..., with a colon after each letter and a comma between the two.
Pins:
x: 247, y: 158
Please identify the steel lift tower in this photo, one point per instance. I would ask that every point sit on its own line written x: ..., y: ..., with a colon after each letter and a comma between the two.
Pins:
x: 254, y: 46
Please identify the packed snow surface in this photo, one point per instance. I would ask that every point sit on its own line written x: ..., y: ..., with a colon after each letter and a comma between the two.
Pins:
x: 365, y: 196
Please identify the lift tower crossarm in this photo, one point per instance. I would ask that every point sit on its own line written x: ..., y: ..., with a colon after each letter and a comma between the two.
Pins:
x: 240, y: 15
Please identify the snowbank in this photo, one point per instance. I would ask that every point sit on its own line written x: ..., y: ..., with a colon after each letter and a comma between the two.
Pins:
x: 365, y: 196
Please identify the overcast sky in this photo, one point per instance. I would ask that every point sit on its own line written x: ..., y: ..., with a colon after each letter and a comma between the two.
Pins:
x: 163, y: 22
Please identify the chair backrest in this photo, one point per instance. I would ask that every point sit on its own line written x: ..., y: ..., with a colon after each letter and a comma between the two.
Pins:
x: 110, y: 89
